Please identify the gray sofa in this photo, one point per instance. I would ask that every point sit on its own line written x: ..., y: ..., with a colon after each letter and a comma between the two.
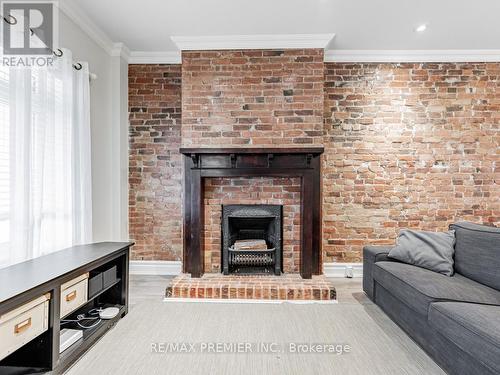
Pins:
x: 456, y: 320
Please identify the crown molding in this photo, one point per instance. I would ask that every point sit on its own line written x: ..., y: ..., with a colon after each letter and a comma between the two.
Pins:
x: 223, y: 42
x: 368, y: 56
x: 78, y: 16
x: 145, y: 57
x: 401, y: 56
x: 120, y: 49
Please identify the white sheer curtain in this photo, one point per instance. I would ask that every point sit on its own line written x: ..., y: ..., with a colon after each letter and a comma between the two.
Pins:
x: 45, y: 183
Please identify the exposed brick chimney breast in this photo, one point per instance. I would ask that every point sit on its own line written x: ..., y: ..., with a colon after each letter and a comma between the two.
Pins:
x: 406, y: 145
x: 252, y: 98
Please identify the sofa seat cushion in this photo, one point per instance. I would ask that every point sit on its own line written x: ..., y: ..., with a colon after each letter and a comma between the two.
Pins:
x: 473, y: 328
x: 418, y: 287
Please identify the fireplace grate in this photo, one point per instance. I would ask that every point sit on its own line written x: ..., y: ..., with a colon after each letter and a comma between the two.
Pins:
x: 260, y: 260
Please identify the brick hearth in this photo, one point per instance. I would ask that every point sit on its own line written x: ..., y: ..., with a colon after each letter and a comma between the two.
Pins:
x: 218, y: 286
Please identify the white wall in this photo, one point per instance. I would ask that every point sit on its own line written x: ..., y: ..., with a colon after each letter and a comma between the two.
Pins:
x: 119, y: 136
x: 107, y: 125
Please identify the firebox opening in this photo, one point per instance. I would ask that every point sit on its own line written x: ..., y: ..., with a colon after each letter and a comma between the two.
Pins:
x: 252, y: 228
x: 252, y: 239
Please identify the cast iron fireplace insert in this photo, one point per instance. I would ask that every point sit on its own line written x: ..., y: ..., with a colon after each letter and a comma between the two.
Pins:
x: 252, y: 222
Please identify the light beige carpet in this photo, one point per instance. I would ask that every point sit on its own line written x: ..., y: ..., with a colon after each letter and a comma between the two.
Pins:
x: 377, y: 345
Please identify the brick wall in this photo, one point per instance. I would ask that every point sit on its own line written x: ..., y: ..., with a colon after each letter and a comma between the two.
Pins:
x: 155, y: 177
x: 408, y: 145
x: 263, y: 190
x: 252, y: 98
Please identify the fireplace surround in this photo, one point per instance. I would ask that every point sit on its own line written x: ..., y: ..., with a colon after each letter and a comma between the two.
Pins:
x: 302, y: 162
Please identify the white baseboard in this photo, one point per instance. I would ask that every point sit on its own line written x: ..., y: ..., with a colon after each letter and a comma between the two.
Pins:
x: 339, y: 269
x: 155, y: 267
x: 171, y: 267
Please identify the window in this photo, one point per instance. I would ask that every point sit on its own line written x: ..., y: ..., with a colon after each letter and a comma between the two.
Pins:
x: 4, y: 164
x: 45, y: 202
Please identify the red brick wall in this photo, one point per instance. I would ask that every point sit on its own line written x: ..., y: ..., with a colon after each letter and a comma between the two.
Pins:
x: 264, y: 190
x: 408, y: 145
x: 252, y: 98
x: 155, y: 177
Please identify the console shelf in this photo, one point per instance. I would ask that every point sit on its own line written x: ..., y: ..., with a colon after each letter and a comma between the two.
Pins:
x: 105, y: 289
x: 44, y: 276
x: 90, y: 336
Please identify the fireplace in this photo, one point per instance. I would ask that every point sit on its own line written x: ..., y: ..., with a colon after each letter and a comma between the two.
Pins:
x: 303, y: 163
x: 252, y: 239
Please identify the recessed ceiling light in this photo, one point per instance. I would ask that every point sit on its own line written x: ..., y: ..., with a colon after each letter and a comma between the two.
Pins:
x: 421, y: 28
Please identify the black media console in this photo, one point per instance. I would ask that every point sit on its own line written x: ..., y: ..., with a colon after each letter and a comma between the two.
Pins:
x: 36, y: 296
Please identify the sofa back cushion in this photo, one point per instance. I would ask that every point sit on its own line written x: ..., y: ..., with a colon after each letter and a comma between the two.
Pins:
x: 477, y: 253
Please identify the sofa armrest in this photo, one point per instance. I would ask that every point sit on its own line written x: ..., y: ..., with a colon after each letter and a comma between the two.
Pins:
x: 371, y: 255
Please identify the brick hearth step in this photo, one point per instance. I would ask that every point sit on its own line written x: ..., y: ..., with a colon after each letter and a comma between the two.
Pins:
x: 218, y: 286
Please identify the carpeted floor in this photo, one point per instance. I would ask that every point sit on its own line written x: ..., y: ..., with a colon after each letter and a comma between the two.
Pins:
x: 377, y: 345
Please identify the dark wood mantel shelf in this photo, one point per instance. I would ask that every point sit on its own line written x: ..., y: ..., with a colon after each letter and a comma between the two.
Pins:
x: 303, y: 162
x: 252, y: 150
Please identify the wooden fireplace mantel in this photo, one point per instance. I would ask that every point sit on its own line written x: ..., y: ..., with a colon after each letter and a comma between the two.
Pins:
x: 252, y: 150
x: 303, y: 162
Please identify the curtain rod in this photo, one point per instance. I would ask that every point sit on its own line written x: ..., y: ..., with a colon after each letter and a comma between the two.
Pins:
x: 76, y: 65
x: 11, y: 20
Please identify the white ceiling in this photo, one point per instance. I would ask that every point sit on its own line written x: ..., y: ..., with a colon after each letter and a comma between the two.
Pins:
x: 147, y: 25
